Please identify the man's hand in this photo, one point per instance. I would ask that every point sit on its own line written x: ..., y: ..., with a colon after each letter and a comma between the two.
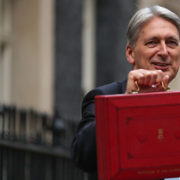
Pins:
x: 147, y: 80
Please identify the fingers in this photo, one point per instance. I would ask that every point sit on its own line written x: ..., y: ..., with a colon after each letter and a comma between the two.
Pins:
x: 146, y: 77
x: 165, y: 80
x: 148, y: 80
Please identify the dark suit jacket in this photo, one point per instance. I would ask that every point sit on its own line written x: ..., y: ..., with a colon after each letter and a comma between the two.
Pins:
x: 83, y: 148
x: 84, y: 144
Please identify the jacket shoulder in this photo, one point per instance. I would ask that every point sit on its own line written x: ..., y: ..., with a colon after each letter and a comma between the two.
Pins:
x: 108, y: 89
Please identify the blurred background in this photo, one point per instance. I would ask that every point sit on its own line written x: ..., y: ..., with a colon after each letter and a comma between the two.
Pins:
x: 52, y: 52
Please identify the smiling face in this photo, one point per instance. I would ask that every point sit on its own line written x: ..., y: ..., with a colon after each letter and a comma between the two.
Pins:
x: 157, y: 47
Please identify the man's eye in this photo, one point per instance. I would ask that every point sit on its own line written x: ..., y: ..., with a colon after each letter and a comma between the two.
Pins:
x: 151, y: 43
x: 172, y: 43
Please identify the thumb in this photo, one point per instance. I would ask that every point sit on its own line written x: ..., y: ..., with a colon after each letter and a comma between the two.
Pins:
x: 165, y: 81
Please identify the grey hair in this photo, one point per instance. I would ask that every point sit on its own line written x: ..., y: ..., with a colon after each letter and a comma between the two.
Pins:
x: 145, y: 14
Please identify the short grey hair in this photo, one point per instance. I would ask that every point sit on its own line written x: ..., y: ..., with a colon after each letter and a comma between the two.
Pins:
x: 145, y: 14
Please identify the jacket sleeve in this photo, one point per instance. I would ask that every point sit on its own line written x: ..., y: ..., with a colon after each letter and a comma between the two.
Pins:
x: 83, y: 149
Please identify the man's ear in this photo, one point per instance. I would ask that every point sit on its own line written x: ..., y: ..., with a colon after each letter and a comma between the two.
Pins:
x: 130, y: 54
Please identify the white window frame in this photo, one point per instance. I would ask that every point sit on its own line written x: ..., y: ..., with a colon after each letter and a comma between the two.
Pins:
x: 88, y: 46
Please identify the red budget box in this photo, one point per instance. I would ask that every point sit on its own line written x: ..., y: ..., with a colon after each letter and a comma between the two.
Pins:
x: 138, y: 136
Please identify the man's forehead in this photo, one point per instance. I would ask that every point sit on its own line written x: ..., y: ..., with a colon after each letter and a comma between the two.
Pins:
x: 158, y: 26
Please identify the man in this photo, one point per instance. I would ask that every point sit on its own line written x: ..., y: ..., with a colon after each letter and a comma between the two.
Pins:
x: 153, y: 49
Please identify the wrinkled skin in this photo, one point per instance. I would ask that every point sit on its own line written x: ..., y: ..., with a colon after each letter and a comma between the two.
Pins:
x: 155, y: 57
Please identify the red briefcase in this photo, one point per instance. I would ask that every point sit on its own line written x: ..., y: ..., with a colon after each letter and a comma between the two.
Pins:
x: 138, y: 136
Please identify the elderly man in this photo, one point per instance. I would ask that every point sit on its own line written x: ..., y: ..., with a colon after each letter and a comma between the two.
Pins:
x: 153, y: 49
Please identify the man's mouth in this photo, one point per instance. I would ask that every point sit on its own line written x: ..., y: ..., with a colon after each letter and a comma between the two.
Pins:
x: 161, y: 66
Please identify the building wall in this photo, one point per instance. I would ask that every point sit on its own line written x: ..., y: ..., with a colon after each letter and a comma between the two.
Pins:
x: 111, y: 21
x: 32, y: 58
x: 5, y: 50
x: 87, y: 49
x: 68, y: 57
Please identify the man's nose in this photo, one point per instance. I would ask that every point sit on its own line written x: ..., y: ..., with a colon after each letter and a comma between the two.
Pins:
x: 163, y: 50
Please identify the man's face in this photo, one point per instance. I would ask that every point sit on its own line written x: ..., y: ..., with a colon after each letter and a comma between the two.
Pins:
x: 157, y: 47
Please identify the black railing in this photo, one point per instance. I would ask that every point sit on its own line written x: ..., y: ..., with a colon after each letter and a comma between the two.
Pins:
x: 25, y: 126
x: 33, y: 146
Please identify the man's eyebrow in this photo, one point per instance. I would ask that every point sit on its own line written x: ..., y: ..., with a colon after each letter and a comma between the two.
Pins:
x: 173, y: 38
x: 169, y: 37
x: 152, y: 38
